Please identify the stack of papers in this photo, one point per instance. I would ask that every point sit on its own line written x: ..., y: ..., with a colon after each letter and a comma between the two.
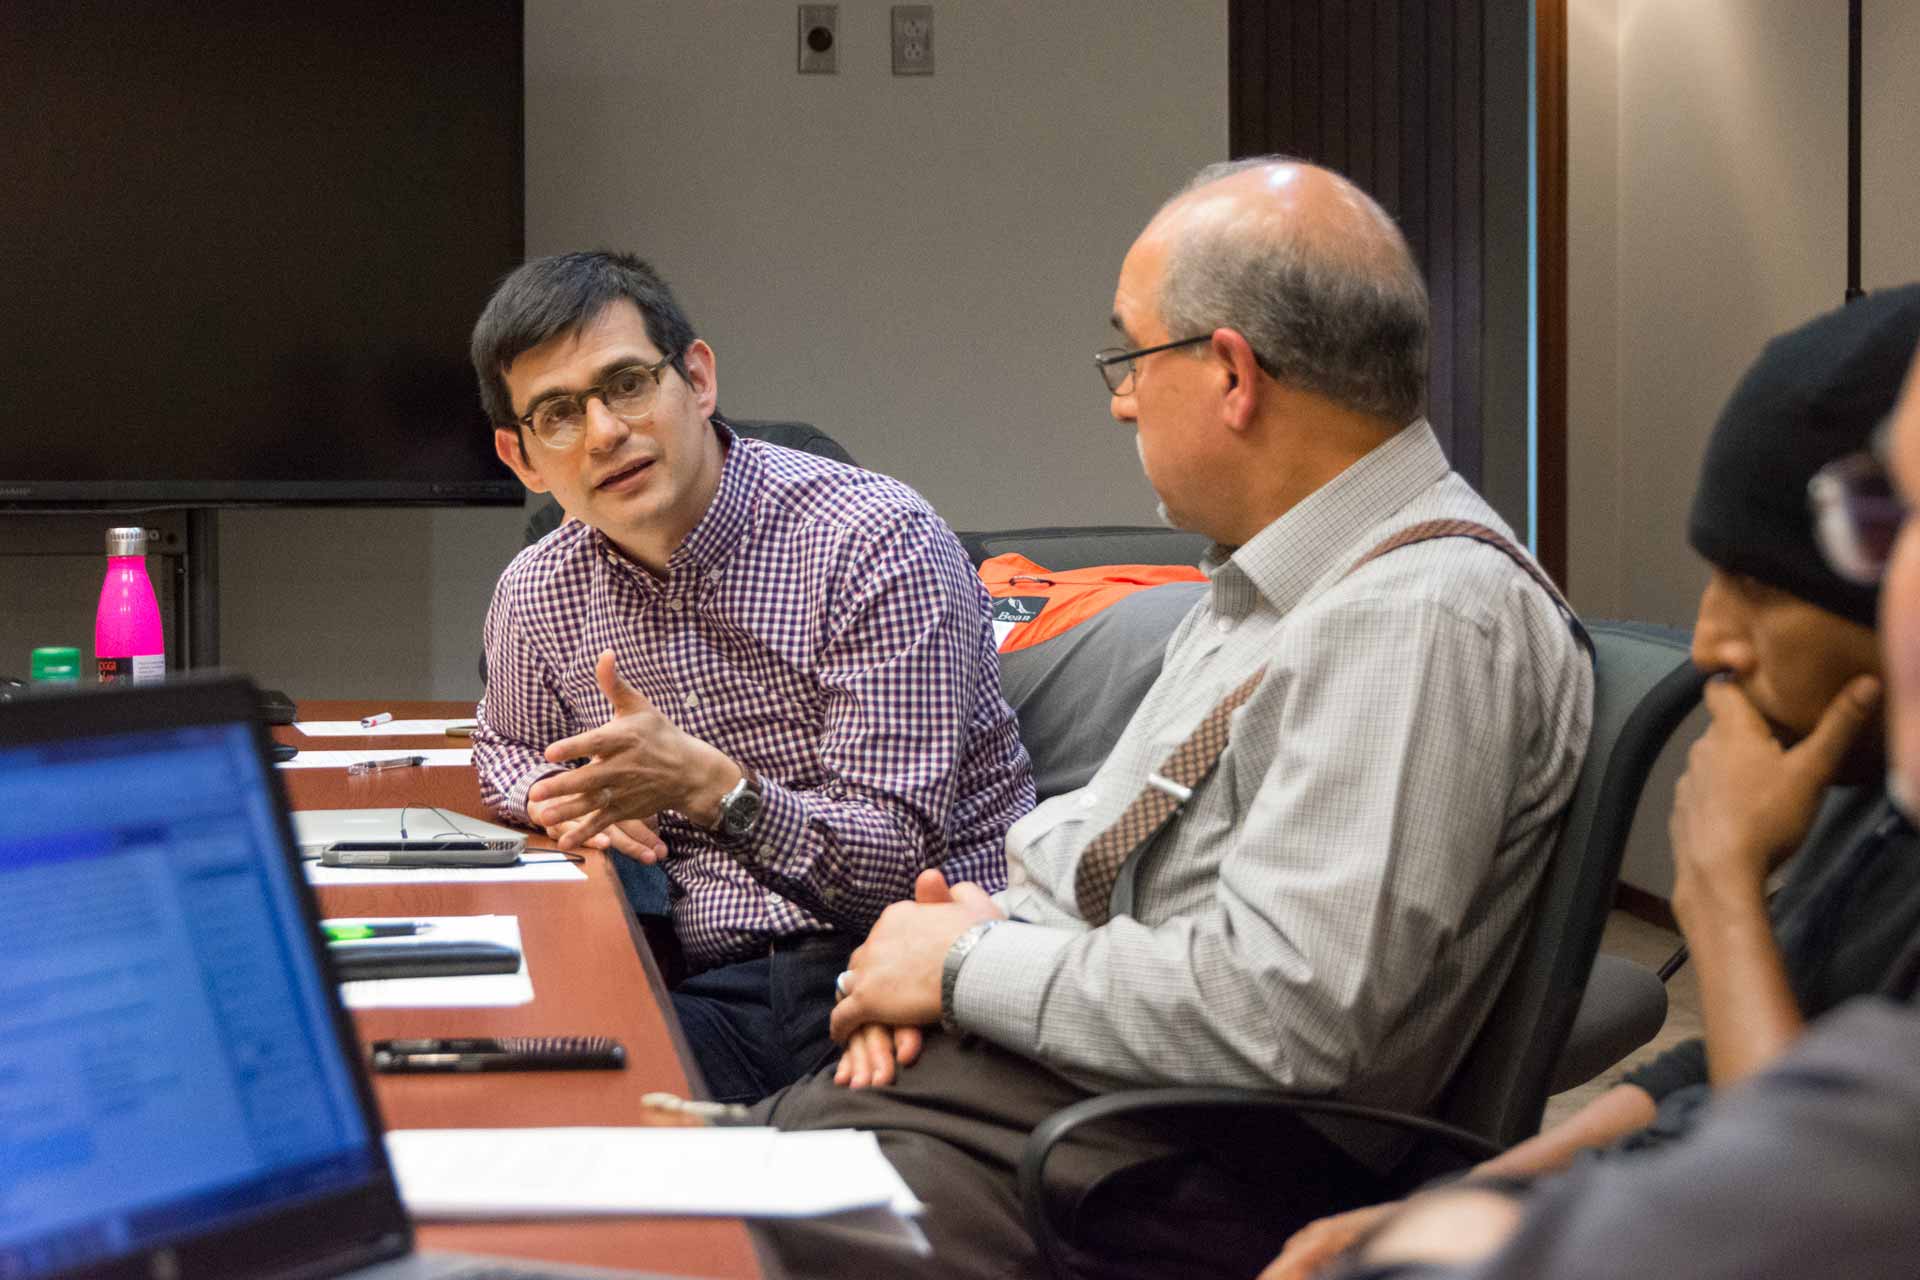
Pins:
x: 459, y: 756
x: 731, y: 1172
x: 535, y: 866
x: 388, y: 729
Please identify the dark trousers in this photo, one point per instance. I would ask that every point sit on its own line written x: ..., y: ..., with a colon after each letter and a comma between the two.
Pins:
x: 761, y: 1024
x: 955, y: 1126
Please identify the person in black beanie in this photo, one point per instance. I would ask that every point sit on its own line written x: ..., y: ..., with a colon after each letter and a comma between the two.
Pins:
x: 1815, y: 395
x: 1795, y: 736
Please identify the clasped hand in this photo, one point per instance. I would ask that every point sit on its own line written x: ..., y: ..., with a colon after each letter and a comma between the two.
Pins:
x: 892, y: 983
x: 638, y: 763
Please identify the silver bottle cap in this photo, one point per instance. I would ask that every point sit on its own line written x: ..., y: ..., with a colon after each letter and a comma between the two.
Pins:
x: 126, y: 542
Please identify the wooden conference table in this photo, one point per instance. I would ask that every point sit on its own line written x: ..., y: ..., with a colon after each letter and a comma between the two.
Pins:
x: 592, y: 975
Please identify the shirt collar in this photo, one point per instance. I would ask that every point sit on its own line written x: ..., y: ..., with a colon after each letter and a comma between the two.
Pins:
x: 727, y: 518
x: 1288, y: 556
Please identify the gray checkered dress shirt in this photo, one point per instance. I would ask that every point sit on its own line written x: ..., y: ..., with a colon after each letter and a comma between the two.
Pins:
x: 820, y: 624
x: 1337, y: 906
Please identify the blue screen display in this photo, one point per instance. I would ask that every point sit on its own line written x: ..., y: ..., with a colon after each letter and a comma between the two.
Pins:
x: 168, y: 1063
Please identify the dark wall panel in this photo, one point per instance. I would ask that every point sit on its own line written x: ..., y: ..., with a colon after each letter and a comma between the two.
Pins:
x: 1396, y: 94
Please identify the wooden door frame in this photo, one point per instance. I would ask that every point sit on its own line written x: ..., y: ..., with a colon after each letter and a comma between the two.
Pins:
x: 1550, y: 300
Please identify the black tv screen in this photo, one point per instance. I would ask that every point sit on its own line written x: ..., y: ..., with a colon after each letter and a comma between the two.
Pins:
x: 244, y: 244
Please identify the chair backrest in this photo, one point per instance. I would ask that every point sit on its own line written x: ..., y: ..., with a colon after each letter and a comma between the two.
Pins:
x: 790, y: 435
x: 1063, y: 547
x: 1644, y: 686
x: 1075, y: 692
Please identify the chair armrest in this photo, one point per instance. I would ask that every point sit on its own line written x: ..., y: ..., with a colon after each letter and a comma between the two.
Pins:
x: 1050, y: 1132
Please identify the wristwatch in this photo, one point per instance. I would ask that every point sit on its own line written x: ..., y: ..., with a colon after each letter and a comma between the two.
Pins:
x: 740, y: 807
x: 950, y: 969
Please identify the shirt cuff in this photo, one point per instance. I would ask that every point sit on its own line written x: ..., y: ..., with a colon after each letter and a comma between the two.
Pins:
x: 782, y: 826
x: 1004, y: 980
x: 517, y: 798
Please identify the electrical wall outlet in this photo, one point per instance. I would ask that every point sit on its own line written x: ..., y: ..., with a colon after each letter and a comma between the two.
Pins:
x: 819, y: 39
x: 913, y: 39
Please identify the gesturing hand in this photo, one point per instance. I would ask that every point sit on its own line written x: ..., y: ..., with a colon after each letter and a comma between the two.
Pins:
x: 1745, y: 803
x: 638, y: 763
x: 634, y: 838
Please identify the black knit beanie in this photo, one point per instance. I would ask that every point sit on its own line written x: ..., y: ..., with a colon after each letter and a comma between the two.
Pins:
x: 1814, y: 395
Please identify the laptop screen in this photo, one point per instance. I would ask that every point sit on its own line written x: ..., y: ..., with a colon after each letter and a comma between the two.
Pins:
x: 169, y: 1063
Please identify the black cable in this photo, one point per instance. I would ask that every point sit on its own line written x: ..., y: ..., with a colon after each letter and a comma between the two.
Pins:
x: 453, y: 829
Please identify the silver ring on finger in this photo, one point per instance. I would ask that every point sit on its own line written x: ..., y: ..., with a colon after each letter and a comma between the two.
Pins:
x: 840, y: 984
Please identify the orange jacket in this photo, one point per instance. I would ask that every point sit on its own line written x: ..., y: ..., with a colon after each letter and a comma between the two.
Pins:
x: 1032, y: 604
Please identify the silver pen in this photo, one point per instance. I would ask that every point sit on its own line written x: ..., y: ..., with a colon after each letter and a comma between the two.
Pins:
x: 381, y: 766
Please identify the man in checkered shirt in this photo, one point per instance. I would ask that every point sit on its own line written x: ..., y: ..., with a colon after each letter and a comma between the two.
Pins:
x: 770, y: 672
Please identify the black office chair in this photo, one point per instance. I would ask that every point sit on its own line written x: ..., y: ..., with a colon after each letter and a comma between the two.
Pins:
x: 1623, y: 1007
x: 1644, y: 687
x: 1064, y: 547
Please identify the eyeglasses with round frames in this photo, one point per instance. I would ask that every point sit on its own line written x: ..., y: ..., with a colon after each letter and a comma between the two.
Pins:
x: 1116, y: 365
x: 559, y: 420
x: 1856, y: 516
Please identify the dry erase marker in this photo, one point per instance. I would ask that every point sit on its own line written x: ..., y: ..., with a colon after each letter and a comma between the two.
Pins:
x: 374, y: 929
x: 367, y: 722
x: 381, y: 766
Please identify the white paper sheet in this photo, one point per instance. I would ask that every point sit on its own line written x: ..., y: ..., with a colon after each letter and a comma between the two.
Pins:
x: 536, y: 866
x: 391, y: 729
x: 733, y: 1172
x: 463, y: 991
x: 341, y: 759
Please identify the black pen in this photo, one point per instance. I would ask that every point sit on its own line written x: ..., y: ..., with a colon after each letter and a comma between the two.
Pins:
x: 512, y: 1053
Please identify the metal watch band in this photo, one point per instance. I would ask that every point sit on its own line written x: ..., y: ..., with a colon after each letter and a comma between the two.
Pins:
x: 746, y: 790
x: 950, y: 969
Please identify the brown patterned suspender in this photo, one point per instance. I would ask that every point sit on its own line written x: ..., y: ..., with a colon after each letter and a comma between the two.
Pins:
x: 1428, y: 530
x: 1169, y: 787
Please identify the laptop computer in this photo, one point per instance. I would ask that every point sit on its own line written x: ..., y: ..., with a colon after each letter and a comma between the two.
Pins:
x: 423, y: 833
x: 181, y: 1091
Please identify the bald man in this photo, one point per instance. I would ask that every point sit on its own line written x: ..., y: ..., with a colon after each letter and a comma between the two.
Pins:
x: 1308, y: 858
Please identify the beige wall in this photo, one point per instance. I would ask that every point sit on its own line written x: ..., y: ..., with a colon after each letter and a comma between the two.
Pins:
x: 1594, y: 570
x: 1890, y: 147
x: 1706, y: 213
x: 921, y: 266
x: 1706, y: 218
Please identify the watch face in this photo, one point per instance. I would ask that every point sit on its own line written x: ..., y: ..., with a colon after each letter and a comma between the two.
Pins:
x: 739, y: 812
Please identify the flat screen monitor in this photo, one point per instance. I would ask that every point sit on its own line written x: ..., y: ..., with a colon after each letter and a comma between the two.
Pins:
x: 245, y: 244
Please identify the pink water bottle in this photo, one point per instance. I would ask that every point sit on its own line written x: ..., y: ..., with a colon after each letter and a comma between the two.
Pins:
x: 126, y: 631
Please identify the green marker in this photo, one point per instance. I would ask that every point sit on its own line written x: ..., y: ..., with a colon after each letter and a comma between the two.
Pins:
x: 382, y: 929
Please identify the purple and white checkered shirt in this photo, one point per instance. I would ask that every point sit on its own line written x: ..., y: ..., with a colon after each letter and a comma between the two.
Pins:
x: 820, y: 624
